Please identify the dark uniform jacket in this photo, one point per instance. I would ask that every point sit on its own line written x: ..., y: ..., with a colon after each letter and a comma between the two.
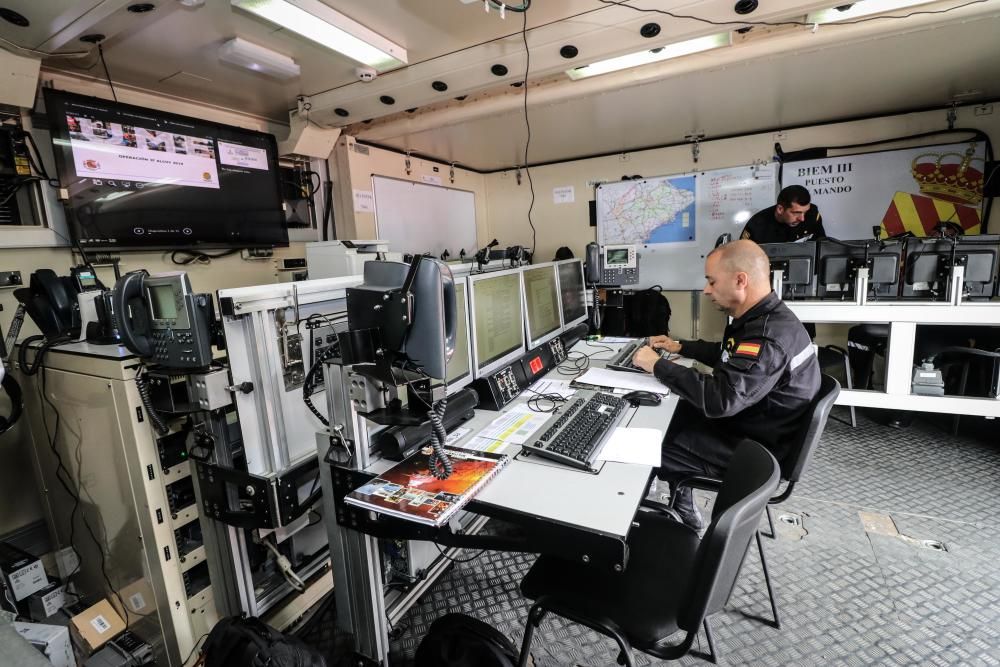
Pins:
x: 763, y: 228
x: 765, y: 374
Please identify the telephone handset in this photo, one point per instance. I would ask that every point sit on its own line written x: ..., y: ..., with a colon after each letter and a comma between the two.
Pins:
x: 50, y: 302
x: 612, y: 264
x: 161, y: 319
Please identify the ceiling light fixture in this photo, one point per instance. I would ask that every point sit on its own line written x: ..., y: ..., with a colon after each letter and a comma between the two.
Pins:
x: 329, y: 28
x: 862, y: 8
x: 658, y: 54
x: 242, y: 53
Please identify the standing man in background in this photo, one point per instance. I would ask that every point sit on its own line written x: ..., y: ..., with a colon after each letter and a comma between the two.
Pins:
x: 793, y: 218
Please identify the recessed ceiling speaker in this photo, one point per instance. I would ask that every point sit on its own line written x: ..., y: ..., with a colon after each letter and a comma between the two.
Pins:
x: 653, y: 29
x: 439, y: 86
x: 93, y: 38
x: 499, y: 70
x: 141, y: 7
x: 745, y: 6
x: 569, y: 51
x: 10, y: 16
x: 341, y: 112
x: 386, y: 99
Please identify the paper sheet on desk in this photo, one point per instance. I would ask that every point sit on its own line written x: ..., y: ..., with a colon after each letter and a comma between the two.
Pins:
x: 633, y: 445
x: 515, y: 426
x: 602, y: 377
x: 560, y: 387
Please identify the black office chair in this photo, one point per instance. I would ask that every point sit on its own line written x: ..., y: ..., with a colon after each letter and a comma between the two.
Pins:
x: 967, y: 358
x: 834, y: 356
x: 794, y: 464
x: 673, y: 580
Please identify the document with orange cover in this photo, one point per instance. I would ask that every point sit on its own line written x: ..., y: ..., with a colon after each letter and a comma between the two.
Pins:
x: 408, y: 490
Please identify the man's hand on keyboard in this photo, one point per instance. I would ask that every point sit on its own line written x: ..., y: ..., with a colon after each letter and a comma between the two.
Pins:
x: 645, y: 358
x: 665, y: 343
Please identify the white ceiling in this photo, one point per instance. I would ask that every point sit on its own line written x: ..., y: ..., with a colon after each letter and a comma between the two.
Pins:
x: 787, y: 78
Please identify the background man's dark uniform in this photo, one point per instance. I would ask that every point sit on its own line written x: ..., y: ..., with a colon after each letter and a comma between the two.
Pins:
x: 763, y: 228
x: 765, y: 374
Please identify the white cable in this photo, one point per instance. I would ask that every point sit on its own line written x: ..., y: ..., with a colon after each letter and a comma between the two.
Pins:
x: 286, y: 568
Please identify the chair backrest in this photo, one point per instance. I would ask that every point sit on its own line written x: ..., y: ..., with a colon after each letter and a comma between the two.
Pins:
x: 750, y: 480
x: 811, y: 430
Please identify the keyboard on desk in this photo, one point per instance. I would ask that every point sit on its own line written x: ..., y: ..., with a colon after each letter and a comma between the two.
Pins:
x: 623, y: 360
x: 573, y: 436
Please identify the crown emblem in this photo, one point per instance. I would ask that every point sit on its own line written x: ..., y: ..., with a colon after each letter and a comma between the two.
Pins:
x: 957, y: 182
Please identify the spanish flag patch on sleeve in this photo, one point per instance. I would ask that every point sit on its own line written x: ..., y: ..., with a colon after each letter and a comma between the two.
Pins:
x: 748, y: 349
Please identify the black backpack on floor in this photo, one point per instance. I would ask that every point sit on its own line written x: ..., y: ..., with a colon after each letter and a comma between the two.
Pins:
x: 239, y: 641
x: 457, y: 640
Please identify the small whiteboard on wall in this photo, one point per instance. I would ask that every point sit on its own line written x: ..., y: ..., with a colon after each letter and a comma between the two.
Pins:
x: 676, y: 219
x: 418, y: 217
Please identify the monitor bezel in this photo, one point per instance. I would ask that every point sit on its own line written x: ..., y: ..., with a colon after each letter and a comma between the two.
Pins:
x: 510, y: 357
x: 465, y: 380
x: 532, y: 343
x: 583, y: 294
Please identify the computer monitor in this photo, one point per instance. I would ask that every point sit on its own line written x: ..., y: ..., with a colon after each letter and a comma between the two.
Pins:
x: 496, y: 320
x: 542, y: 317
x: 572, y: 292
x: 798, y: 262
x: 838, y: 263
x: 460, y: 365
x: 929, y: 263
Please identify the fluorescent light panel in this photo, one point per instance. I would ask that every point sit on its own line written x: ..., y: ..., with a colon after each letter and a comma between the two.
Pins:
x: 667, y: 52
x: 862, y: 8
x: 258, y: 59
x: 329, y: 28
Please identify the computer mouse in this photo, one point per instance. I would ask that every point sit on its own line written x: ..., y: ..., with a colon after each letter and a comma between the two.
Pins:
x: 647, y: 398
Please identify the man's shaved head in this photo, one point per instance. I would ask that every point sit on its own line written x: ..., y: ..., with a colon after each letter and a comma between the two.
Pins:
x: 747, y: 257
x: 737, y: 276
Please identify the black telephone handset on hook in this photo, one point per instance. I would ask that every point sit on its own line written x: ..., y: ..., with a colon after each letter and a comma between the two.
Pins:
x: 593, y: 264
x: 50, y: 302
x: 160, y: 318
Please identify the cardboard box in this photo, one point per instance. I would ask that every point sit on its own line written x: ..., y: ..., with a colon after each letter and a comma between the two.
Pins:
x: 22, y: 573
x: 46, y: 602
x: 95, y: 626
x: 52, y: 640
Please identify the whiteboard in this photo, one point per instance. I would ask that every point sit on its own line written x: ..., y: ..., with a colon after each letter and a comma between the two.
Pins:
x: 418, y: 217
x: 682, y: 215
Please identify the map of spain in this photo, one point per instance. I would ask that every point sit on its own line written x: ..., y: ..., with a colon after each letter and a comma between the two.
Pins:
x: 660, y: 210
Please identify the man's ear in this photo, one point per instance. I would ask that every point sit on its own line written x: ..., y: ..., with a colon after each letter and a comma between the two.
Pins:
x: 742, y: 279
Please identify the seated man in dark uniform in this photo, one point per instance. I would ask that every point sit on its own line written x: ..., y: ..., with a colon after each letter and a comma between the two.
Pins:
x: 764, y: 374
x: 793, y: 218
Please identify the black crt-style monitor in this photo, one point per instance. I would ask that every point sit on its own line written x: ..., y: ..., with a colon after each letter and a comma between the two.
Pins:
x: 496, y: 319
x: 798, y: 263
x: 838, y: 262
x: 542, y: 316
x: 572, y: 292
x: 929, y: 263
x: 410, y: 309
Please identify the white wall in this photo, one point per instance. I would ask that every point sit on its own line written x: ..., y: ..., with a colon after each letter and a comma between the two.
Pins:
x: 568, y: 224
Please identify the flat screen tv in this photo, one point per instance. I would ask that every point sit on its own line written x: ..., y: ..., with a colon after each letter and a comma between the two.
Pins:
x: 145, y: 179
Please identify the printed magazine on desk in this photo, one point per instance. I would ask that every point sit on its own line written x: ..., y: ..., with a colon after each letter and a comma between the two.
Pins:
x: 408, y: 490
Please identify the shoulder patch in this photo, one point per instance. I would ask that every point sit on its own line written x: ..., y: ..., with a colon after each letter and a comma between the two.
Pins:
x: 748, y: 348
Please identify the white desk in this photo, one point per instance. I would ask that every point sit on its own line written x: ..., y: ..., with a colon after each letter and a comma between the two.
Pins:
x: 903, y: 318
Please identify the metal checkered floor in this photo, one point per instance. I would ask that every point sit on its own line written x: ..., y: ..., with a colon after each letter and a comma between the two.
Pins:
x: 847, y: 596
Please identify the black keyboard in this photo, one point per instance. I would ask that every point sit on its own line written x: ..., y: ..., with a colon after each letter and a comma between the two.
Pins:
x: 623, y: 360
x: 574, y: 436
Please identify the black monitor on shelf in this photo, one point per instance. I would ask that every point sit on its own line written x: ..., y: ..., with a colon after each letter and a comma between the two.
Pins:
x: 798, y: 263
x: 838, y: 262
x: 929, y: 263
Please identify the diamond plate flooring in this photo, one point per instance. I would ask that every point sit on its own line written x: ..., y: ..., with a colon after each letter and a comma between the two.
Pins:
x: 847, y: 597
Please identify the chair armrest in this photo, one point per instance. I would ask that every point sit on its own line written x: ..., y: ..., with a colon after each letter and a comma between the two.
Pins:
x: 836, y: 348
